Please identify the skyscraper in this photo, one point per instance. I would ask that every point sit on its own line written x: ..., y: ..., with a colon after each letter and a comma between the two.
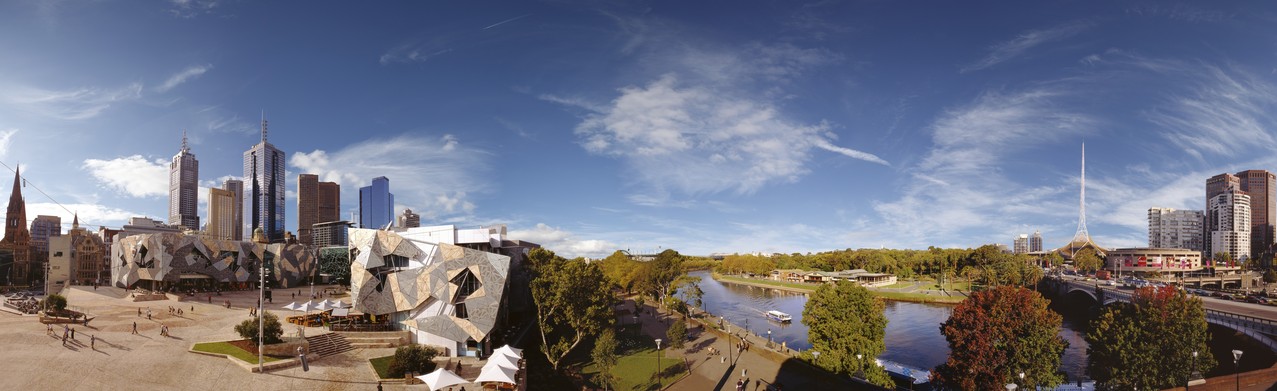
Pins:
x: 408, y: 219
x: 1261, y: 186
x: 1229, y: 225
x: 264, y: 189
x: 42, y: 228
x: 1170, y: 228
x: 1215, y: 186
x: 183, y: 188
x: 1021, y: 244
x: 236, y: 187
x: 221, y: 218
x: 1035, y: 242
x: 376, y: 204
x: 16, y: 243
x: 317, y: 202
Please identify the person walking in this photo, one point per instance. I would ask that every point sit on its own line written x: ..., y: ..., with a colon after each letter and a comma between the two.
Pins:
x: 73, y: 333
x: 134, y: 328
x: 139, y: 312
x: 93, y: 341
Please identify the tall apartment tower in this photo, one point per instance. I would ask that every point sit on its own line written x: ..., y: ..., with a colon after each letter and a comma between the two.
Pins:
x: 17, y: 239
x: 408, y: 219
x: 1229, y: 224
x: 317, y: 202
x: 221, y: 214
x: 1261, y: 186
x: 376, y: 204
x: 1170, y: 228
x: 1021, y: 244
x: 264, y: 189
x: 183, y: 188
x: 1035, y: 242
x: 236, y: 187
x: 43, y: 228
x: 1215, y: 186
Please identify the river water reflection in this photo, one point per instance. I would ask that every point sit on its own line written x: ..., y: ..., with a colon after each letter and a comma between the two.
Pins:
x: 913, y: 329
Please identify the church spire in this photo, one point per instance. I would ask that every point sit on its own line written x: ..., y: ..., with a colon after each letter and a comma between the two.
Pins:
x: 75, y: 221
x: 17, y: 184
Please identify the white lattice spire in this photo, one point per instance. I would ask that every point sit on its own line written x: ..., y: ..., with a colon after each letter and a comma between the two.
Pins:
x: 1082, y: 236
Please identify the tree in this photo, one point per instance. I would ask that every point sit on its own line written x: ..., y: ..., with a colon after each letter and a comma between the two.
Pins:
x: 1149, y: 342
x: 1270, y: 276
x: 1054, y: 259
x: 413, y: 358
x: 604, y: 355
x: 998, y: 333
x: 573, y: 300
x: 677, y: 334
x: 56, y: 302
x: 663, y: 273
x: 694, y: 294
x: 845, y: 320
x: 1087, y: 260
x: 248, y: 328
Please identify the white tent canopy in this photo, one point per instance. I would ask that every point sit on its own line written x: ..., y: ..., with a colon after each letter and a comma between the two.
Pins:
x: 441, y: 378
x: 292, y: 306
x: 509, y: 350
x: 504, y: 360
x: 496, y: 373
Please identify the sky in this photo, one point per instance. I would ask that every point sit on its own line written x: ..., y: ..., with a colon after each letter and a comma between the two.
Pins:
x: 706, y: 127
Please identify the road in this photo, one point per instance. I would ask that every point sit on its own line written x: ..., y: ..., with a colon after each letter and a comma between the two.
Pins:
x: 1261, y: 311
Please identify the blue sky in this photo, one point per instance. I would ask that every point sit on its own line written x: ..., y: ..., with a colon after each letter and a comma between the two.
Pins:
x: 700, y: 126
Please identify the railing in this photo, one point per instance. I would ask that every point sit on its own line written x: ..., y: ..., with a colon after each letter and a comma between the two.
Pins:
x: 361, y: 327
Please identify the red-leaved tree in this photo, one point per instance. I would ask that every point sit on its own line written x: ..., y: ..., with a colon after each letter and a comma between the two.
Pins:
x: 995, y: 335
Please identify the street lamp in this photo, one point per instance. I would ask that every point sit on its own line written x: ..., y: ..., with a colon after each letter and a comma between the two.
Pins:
x: 1189, y: 381
x: 658, y: 362
x: 1021, y: 377
x: 1237, y: 356
x: 769, y: 337
x: 261, y: 319
x: 729, y: 341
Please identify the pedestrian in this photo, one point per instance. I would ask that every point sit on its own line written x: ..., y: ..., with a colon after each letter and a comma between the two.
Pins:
x: 193, y: 307
x: 64, y: 339
x: 93, y: 341
x: 73, y: 333
x: 134, y: 327
x: 139, y: 312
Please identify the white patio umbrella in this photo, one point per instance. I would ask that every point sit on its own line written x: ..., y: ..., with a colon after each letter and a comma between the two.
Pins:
x: 513, y: 351
x: 496, y: 373
x: 323, y: 306
x: 504, y: 360
x: 441, y: 378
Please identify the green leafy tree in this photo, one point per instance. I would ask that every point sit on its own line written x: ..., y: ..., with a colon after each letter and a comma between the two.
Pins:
x: 998, y: 333
x: 1223, y: 258
x: 663, y: 273
x: 418, y: 359
x: 845, y: 320
x: 56, y: 302
x: 1270, y: 276
x: 1055, y: 260
x: 573, y: 301
x: 1087, y: 260
x: 605, y: 357
x: 1149, y: 342
x: 694, y: 294
x: 248, y: 328
x: 677, y: 334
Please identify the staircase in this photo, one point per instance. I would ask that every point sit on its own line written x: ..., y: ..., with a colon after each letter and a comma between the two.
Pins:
x: 329, y: 344
x: 376, y: 339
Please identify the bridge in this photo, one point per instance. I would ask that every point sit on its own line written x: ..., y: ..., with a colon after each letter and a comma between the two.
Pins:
x: 1257, y: 321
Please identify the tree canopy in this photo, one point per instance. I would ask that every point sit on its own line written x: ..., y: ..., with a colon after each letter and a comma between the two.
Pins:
x: 573, y: 301
x: 605, y: 357
x: 273, y: 331
x: 998, y: 333
x: 845, y: 320
x: 1149, y: 342
x: 1087, y: 260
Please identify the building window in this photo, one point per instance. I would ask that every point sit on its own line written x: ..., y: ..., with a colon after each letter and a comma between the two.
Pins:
x: 467, y: 284
x: 395, y: 261
x: 460, y: 311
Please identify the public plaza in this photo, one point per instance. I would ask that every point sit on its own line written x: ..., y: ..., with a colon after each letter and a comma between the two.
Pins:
x: 121, y: 360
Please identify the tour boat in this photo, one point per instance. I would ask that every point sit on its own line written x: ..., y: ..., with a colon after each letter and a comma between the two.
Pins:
x: 779, y: 316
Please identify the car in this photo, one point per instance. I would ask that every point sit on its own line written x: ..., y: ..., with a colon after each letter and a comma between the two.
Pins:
x: 1110, y: 283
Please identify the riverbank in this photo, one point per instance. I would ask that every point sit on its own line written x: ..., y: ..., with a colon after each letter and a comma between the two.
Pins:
x: 897, y: 294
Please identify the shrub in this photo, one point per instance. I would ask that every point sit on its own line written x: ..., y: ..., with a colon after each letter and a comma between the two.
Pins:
x: 413, y: 358
x: 57, y: 302
x: 248, y: 329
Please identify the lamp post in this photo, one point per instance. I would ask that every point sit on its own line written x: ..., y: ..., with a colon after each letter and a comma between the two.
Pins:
x: 860, y: 365
x: 729, y: 342
x: 1021, y: 377
x: 1237, y: 357
x: 658, y: 363
x: 769, y: 337
x: 261, y: 320
x: 1190, y: 374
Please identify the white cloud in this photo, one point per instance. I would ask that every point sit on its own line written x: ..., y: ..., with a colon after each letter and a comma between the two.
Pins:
x: 434, y: 176
x: 6, y: 137
x: 563, y: 242
x: 192, y: 8
x: 1224, y: 112
x: 131, y: 175
x: 699, y: 140
x: 959, y: 186
x: 91, y: 215
x: 76, y: 104
x: 185, y: 75
x: 1027, y: 40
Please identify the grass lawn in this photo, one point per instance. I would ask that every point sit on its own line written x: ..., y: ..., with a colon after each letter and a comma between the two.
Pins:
x: 955, y: 286
x: 898, y: 285
x: 794, y: 285
x: 230, y: 350
x: 636, y: 364
x: 382, y: 366
x: 918, y: 297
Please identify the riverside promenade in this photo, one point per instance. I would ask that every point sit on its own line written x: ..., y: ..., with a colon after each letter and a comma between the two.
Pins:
x: 765, y: 369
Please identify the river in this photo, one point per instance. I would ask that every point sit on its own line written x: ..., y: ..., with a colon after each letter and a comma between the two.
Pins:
x: 913, y: 329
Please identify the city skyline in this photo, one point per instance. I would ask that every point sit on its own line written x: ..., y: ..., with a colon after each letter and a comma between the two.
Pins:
x: 768, y: 128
